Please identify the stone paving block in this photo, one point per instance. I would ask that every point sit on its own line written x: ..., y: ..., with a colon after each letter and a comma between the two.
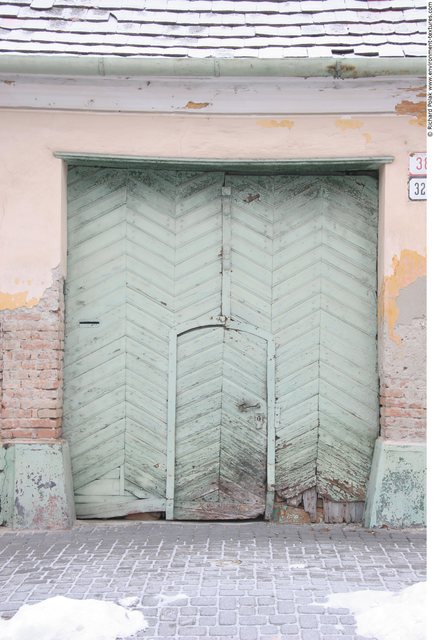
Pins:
x: 310, y: 634
x: 183, y: 588
x: 248, y: 633
x: 308, y: 621
x: 221, y: 632
x: 266, y: 611
x: 168, y: 614
x: 207, y: 621
x: 282, y: 619
x: 193, y: 630
x: 227, y: 617
x: 252, y: 620
x: 290, y: 629
x: 227, y: 603
x: 167, y: 629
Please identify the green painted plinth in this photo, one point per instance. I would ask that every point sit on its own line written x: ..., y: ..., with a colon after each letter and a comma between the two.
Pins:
x: 36, y: 485
x: 396, y: 494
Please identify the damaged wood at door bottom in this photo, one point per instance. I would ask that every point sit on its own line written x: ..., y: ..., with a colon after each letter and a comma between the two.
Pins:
x: 309, y: 508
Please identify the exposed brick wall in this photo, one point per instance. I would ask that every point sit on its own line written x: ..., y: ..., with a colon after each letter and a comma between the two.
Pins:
x: 31, y: 343
x: 403, y: 385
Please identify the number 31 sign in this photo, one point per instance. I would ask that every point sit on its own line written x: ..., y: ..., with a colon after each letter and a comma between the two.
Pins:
x: 417, y: 169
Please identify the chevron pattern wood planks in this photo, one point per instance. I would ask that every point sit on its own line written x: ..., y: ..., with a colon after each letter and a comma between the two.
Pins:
x: 293, y: 258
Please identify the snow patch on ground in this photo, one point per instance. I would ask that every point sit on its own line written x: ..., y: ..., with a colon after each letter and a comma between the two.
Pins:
x: 386, y: 615
x: 166, y: 599
x: 132, y: 601
x: 61, y: 618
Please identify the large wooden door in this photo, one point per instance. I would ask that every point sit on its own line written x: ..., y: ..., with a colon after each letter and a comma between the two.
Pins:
x: 304, y: 268
x: 224, y: 268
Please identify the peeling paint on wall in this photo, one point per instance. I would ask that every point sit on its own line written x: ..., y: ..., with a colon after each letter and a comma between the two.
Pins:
x: 416, y: 109
x: 272, y: 124
x: 12, y: 301
x: 412, y: 302
x: 407, y: 268
x: 419, y: 91
x: 349, y: 123
x: 196, y: 105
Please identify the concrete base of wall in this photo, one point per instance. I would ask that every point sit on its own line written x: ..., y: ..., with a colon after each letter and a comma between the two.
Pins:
x: 396, y: 494
x: 36, y: 485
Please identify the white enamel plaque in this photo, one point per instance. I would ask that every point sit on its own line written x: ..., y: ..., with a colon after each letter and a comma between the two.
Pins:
x: 417, y: 164
x: 417, y: 188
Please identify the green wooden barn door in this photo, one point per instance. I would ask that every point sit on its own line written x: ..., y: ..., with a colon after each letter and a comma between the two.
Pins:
x: 135, y: 240
x: 275, y: 259
x: 304, y: 269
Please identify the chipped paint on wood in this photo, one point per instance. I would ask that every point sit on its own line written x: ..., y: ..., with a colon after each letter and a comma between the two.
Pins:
x: 416, y: 109
x: 275, y: 124
x: 221, y: 425
x: 11, y: 301
x: 409, y: 266
x: 297, y: 278
x: 349, y: 123
x: 196, y: 105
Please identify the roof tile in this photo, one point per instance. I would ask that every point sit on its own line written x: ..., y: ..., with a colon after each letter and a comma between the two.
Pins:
x: 9, y: 10
x: 390, y: 50
x: 97, y: 14
x: 42, y: 4
x: 219, y: 28
x: 418, y: 50
x: 275, y: 30
x: 415, y: 14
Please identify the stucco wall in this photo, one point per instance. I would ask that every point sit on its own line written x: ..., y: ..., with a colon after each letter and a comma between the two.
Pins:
x: 32, y: 208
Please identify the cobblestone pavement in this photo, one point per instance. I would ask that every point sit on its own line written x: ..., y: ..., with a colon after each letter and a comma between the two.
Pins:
x: 246, y: 581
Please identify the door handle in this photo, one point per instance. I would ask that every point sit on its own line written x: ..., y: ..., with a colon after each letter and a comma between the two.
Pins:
x: 244, y: 406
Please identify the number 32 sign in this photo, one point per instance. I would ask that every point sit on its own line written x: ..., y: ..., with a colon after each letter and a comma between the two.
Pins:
x: 417, y: 169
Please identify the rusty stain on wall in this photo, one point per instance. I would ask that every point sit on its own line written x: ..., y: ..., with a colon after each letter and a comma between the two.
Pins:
x: 368, y: 137
x: 12, y: 301
x: 272, y: 124
x: 349, y: 123
x: 407, y: 268
x: 416, y: 109
x: 196, y: 105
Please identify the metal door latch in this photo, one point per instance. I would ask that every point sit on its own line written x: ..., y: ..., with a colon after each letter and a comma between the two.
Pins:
x: 243, y: 406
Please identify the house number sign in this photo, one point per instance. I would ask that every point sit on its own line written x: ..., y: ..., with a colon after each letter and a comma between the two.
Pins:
x: 417, y: 171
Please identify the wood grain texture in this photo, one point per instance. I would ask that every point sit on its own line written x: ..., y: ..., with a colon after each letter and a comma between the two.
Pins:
x: 304, y: 267
x: 143, y: 255
x: 144, y: 258
x: 221, y: 428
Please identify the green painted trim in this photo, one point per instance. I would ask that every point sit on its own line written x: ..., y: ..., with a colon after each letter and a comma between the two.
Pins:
x: 396, y: 495
x: 291, y: 166
x: 7, y: 481
x: 171, y: 424
x: 37, y: 492
x: 211, y: 67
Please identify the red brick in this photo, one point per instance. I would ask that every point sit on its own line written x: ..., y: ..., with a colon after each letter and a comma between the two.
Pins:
x: 49, y: 413
x: 54, y: 433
